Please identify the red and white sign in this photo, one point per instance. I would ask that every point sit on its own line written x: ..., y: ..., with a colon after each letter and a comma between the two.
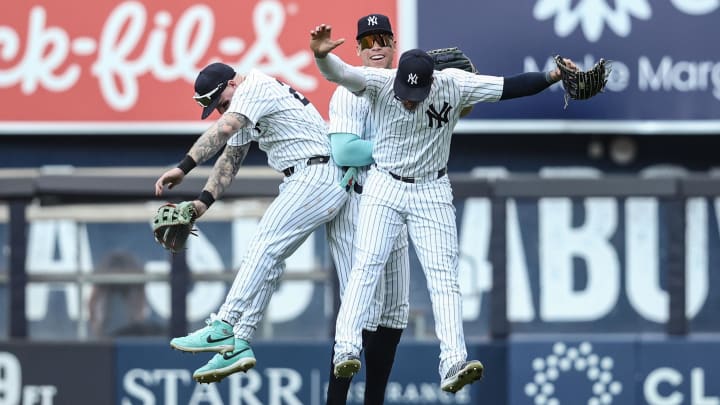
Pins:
x: 108, y: 66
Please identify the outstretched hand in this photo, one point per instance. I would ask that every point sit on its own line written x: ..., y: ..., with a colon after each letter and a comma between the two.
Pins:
x: 170, y: 178
x: 321, y: 42
x: 556, y: 75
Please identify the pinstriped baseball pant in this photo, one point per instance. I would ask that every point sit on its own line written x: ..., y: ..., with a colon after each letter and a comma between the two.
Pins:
x: 307, y: 199
x: 429, y: 213
x: 390, y: 306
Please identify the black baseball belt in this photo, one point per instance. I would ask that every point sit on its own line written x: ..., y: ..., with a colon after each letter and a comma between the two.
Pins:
x: 315, y: 160
x: 404, y: 179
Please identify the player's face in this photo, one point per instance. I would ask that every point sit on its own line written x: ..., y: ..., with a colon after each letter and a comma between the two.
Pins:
x: 377, y: 50
x: 225, y: 98
x: 409, y: 105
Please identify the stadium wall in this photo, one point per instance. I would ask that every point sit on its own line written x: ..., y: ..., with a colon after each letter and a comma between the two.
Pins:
x: 552, y: 369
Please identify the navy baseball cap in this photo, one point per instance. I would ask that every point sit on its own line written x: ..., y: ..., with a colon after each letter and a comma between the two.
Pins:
x: 209, y: 85
x: 413, y: 78
x: 373, y: 24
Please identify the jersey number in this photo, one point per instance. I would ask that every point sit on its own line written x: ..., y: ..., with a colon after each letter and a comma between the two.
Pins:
x: 295, y: 93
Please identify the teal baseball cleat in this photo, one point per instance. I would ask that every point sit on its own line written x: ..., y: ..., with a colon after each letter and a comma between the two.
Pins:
x: 222, y: 365
x: 217, y: 336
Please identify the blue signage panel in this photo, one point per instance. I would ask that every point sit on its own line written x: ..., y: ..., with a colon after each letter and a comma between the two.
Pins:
x: 292, y: 373
x: 629, y: 369
x: 56, y: 373
x: 574, y: 265
x: 679, y: 371
x: 663, y: 67
x: 572, y: 371
x: 584, y: 265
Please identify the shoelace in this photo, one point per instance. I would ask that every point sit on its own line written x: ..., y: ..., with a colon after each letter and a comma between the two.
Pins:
x: 201, y: 330
x: 455, y: 369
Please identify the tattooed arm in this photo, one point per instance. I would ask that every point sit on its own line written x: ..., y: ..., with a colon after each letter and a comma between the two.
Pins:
x: 223, y: 173
x: 206, y: 146
x: 210, y: 142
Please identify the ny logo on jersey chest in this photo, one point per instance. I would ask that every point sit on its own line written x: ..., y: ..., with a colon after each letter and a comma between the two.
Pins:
x: 437, y: 118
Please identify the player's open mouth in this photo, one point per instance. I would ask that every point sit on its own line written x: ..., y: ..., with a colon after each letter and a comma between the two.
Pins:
x: 377, y: 57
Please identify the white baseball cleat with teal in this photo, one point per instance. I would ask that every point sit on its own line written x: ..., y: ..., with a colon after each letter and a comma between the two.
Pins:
x: 222, y: 365
x: 217, y: 336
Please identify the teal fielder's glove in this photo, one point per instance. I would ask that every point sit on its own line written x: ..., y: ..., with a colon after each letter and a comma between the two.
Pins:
x: 173, y: 224
x: 349, y: 177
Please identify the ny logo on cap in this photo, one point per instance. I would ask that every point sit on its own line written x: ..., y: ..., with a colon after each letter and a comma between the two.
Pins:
x: 412, y: 78
x: 372, y: 20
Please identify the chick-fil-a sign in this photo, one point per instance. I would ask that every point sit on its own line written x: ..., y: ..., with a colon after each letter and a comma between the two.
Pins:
x: 133, y: 63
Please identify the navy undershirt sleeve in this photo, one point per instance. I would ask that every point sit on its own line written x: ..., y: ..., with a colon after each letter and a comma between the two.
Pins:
x: 524, y: 84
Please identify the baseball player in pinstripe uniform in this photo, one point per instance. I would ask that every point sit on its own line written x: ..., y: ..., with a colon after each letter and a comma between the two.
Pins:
x: 257, y: 107
x: 415, y: 110
x: 388, y: 315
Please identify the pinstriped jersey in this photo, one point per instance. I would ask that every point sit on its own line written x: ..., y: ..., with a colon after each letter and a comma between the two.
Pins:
x: 350, y: 114
x: 286, y: 126
x: 417, y: 143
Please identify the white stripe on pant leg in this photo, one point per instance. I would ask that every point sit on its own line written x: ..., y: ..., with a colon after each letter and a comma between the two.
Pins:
x: 287, y: 222
x: 396, y: 308
x: 341, y: 235
x: 396, y: 299
x: 377, y: 230
x: 271, y: 242
x: 246, y: 326
x: 433, y: 231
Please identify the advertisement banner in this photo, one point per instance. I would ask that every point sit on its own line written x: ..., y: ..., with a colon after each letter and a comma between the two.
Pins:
x: 614, y: 370
x: 130, y: 66
x: 124, y: 67
x: 665, y: 78
x: 596, y: 264
x: 293, y: 373
x: 56, y: 373
x: 568, y: 372
x: 679, y: 371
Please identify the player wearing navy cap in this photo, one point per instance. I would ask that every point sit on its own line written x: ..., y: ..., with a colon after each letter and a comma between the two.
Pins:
x: 351, y: 127
x: 257, y: 107
x: 415, y: 110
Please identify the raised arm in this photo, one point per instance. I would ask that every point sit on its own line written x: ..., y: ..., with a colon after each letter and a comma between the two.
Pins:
x: 331, y: 66
x: 527, y: 84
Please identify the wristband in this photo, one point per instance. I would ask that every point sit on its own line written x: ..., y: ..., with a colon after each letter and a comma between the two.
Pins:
x: 187, y: 164
x: 206, y: 198
x: 548, y: 77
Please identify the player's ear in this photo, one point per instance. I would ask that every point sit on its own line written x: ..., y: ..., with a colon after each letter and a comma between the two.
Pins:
x: 235, y: 81
x: 358, y: 49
